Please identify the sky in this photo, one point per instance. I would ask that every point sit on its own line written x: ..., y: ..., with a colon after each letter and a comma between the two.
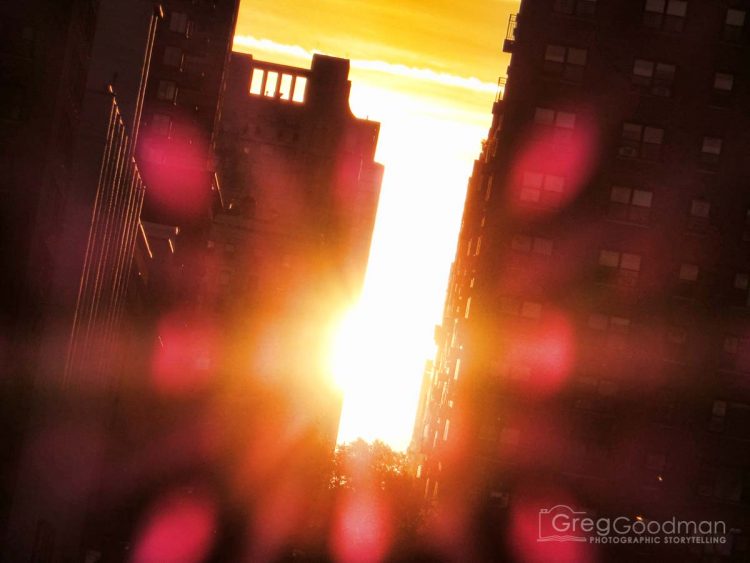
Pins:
x: 427, y: 70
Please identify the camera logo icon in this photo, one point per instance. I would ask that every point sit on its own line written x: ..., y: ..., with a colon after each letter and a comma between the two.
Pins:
x: 561, y: 524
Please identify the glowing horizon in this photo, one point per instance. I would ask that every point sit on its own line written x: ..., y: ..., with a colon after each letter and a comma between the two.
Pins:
x: 434, y: 110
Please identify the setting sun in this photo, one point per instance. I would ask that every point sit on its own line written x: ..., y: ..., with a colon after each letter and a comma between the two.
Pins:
x: 432, y: 98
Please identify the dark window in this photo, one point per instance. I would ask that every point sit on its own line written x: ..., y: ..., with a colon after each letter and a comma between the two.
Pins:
x: 641, y: 141
x: 178, y: 22
x: 173, y: 56
x: 734, y: 24
x: 657, y: 77
x: 667, y: 15
x: 561, y: 123
x: 568, y: 62
x: 711, y: 150
x: 700, y: 213
x: 626, y: 204
x: 575, y: 7
x: 161, y: 124
x: 167, y: 91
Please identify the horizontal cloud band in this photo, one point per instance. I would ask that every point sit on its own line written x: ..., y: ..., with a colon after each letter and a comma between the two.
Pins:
x: 422, y: 74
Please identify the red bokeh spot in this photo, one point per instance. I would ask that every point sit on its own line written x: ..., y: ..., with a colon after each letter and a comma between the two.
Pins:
x: 362, y: 529
x: 176, y: 171
x: 179, y: 529
x: 544, y: 354
x: 550, y: 171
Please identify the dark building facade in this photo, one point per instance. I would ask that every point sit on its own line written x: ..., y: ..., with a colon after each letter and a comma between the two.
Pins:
x: 593, y: 351
x: 182, y: 108
x: 82, y: 208
x: 301, y: 187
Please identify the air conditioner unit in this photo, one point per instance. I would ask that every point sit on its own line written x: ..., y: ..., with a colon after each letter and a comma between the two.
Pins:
x: 628, y: 152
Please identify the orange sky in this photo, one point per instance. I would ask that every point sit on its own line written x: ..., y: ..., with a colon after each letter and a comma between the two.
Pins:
x: 427, y: 70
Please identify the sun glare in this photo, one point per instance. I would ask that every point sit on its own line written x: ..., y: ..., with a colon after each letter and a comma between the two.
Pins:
x: 432, y: 124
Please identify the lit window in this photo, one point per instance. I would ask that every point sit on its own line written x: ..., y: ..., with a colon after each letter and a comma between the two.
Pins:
x: 256, y: 82
x: 733, y: 24
x: 285, y: 89
x: 300, y: 88
x: 173, y: 56
x: 667, y: 15
x: 178, y: 22
x: 689, y: 272
x: 641, y: 141
x: 711, y: 150
x: 167, y: 90
x: 272, y: 80
x: 568, y: 62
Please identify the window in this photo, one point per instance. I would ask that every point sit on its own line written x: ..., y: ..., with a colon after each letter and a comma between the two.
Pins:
x: 723, y: 82
x: 621, y: 267
x: 700, y: 210
x: 546, y: 189
x: 722, y: 90
x: 667, y: 15
x: 734, y: 24
x: 161, y: 124
x: 641, y: 141
x: 562, y: 122
x: 167, y: 91
x: 626, y: 204
x: 689, y: 272
x: 178, y: 22
x: 711, y: 150
x: 256, y: 82
x: 300, y: 87
x: 657, y: 78
x: 532, y: 245
x: 600, y: 322
x: 568, y: 62
x: 575, y: 7
x: 173, y: 57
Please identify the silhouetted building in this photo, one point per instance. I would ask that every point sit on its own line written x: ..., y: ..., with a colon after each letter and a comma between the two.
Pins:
x: 287, y: 255
x: 594, y: 347
x: 182, y: 108
x: 83, y: 225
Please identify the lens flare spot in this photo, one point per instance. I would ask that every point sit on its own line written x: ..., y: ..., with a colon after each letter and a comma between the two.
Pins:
x: 179, y: 529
